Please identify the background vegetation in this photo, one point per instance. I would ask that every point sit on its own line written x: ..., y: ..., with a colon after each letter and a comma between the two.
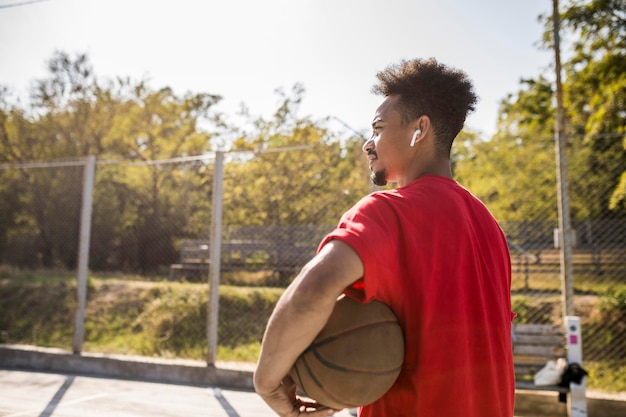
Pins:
x: 134, y: 316
x: 73, y: 113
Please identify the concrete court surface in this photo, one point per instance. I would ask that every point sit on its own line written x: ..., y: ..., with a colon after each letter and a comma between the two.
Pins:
x: 38, y: 394
x: 46, y: 394
x: 43, y: 394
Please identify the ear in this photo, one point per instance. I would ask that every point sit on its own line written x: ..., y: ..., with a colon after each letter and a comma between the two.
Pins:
x: 420, y: 127
x: 422, y: 123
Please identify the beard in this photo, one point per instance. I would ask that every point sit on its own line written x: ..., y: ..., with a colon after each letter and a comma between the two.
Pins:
x: 379, y: 177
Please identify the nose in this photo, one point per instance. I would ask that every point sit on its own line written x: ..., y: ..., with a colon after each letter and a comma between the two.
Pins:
x: 368, y: 145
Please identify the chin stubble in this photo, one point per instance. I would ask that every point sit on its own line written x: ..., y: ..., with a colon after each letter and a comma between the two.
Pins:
x: 379, y: 177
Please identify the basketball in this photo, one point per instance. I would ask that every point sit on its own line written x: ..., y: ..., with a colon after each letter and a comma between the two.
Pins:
x: 356, y: 357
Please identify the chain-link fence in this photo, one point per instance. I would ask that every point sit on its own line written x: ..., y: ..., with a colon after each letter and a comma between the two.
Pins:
x: 149, y: 252
x: 598, y: 258
x: 150, y: 249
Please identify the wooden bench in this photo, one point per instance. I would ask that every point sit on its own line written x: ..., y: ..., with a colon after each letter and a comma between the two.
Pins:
x: 194, y: 256
x: 598, y: 262
x: 596, y: 258
x: 240, y: 254
x: 535, y: 344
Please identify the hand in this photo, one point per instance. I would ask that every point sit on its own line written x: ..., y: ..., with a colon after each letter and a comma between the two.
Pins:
x: 284, y: 401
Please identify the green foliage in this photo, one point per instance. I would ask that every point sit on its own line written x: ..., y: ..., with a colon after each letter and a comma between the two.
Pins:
x: 137, y: 317
x: 606, y: 376
x: 529, y: 309
x: 133, y: 317
x: 241, y: 353
x: 514, y: 171
x: 615, y: 301
x: 604, y: 331
x: 52, y: 325
x: 143, y: 210
x: 618, y: 198
x: 257, y: 306
x: 74, y: 115
x: 175, y: 320
x: 262, y: 187
x: 595, y: 98
x: 509, y: 171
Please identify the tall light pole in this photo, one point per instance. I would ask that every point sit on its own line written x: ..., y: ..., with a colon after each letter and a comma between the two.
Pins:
x: 565, y: 235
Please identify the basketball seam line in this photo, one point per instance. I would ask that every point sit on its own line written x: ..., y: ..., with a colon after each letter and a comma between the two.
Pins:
x: 353, y: 370
x: 345, y: 332
x: 323, y: 388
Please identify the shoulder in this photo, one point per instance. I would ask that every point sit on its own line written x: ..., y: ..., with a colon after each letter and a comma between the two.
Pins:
x: 378, y: 203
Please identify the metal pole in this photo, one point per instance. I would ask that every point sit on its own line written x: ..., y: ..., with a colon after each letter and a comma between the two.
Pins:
x: 216, y: 249
x: 83, y: 252
x: 565, y: 237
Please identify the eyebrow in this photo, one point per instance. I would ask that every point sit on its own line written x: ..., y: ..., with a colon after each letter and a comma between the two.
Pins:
x: 376, y: 120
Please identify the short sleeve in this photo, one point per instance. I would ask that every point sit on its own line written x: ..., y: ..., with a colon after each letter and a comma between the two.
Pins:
x: 371, y: 230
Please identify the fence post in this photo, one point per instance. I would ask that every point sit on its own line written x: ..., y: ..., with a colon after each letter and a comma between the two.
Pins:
x: 83, y: 252
x: 565, y: 230
x: 215, y: 258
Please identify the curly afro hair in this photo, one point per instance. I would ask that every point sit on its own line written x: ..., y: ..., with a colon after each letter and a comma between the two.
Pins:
x: 426, y: 87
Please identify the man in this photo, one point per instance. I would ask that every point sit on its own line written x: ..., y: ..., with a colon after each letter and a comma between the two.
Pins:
x: 429, y: 249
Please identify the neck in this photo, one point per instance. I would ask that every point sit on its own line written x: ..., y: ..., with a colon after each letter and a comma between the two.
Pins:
x: 440, y: 167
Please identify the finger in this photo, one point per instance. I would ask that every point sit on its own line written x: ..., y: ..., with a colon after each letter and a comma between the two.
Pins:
x: 309, y: 407
x: 319, y: 412
x: 308, y: 403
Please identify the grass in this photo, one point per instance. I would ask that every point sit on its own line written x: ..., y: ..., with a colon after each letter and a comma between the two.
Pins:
x: 606, y: 376
x: 134, y: 317
x: 539, y: 280
x: 127, y: 314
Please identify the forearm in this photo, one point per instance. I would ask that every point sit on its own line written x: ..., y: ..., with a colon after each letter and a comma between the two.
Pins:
x: 299, y: 316
x: 296, y: 320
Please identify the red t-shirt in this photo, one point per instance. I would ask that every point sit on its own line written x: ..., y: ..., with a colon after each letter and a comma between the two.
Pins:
x: 435, y: 254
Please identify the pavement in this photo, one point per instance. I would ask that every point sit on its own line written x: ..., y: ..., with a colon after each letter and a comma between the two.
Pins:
x: 48, y: 382
x: 41, y: 394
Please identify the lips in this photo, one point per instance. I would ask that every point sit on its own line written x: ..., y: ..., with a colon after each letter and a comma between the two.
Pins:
x: 371, y: 156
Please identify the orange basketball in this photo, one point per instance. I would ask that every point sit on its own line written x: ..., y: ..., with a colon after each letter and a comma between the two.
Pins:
x: 356, y: 357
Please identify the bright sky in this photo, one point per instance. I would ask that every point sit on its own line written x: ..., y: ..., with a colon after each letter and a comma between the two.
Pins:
x: 243, y: 50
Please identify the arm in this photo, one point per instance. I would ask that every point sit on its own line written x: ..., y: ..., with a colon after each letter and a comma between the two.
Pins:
x: 299, y: 315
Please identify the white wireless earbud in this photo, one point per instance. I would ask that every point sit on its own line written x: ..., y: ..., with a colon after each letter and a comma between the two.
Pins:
x: 415, y: 135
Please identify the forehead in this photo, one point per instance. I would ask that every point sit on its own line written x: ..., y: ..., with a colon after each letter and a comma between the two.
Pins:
x: 387, y: 110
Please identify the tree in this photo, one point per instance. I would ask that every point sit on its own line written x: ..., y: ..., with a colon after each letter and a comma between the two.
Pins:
x: 10, y: 193
x: 595, y: 103
x: 263, y: 186
x: 511, y: 172
x: 295, y: 179
x: 137, y: 211
x: 152, y: 200
x: 514, y: 172
x: 39, y: 226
